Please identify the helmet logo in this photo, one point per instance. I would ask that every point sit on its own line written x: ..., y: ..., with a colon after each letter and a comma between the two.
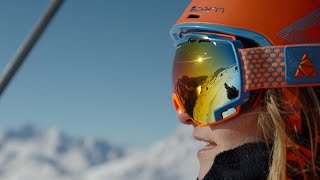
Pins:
x: 206, y: 9
x: 306, y: 68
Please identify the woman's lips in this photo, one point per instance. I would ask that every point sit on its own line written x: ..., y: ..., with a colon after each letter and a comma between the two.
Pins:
x: 209, y: 146
x: 206, y: 149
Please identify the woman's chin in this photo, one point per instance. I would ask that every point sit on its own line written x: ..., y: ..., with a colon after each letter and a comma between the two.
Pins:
x: 204, y: 169
x: 206, y: 158
x: 206, y: 162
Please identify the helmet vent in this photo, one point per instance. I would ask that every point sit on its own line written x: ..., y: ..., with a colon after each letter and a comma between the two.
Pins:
x: 193, y: 16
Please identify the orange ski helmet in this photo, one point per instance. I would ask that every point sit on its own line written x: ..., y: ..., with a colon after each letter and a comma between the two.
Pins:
x: 271, y: 22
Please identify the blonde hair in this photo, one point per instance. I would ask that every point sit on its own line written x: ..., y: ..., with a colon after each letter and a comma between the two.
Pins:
x: 277, y: 132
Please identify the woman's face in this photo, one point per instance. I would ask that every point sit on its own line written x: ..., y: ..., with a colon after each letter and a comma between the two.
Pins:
x: 224, y: 136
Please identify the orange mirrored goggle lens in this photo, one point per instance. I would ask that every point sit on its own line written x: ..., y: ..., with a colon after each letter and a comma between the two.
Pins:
x: 205, y: 78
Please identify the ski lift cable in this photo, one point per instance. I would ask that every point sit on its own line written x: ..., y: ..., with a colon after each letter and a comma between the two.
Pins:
x: 13, y: 66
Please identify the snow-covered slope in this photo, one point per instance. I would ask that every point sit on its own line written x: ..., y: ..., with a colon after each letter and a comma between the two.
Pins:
x: 29, y: 153
x: 171, y: 159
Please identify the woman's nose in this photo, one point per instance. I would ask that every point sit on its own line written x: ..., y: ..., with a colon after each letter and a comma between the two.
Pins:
x: 184, y: 118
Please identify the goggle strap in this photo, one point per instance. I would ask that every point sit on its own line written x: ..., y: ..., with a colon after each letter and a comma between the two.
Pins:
x: 280, y: 66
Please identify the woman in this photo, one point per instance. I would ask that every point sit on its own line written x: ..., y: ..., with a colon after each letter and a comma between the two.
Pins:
x: 245, y: 75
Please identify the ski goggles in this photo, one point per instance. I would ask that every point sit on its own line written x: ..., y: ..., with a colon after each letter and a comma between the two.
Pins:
x: 213, y: 75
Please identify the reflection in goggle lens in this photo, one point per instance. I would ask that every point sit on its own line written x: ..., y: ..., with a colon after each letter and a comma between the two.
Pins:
x: 205, y: 77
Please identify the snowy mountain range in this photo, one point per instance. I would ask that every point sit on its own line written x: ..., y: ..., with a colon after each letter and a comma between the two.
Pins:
x: 29, y: 153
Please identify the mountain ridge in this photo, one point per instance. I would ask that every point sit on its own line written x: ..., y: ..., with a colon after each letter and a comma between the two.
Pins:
x: 33, y: 153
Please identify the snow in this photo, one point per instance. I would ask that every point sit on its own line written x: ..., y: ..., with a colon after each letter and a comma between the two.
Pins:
x: 209, y: 90
x: 29, y: 153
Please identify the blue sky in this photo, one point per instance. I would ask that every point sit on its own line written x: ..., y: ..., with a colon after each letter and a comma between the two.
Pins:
x: 102, y: 69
